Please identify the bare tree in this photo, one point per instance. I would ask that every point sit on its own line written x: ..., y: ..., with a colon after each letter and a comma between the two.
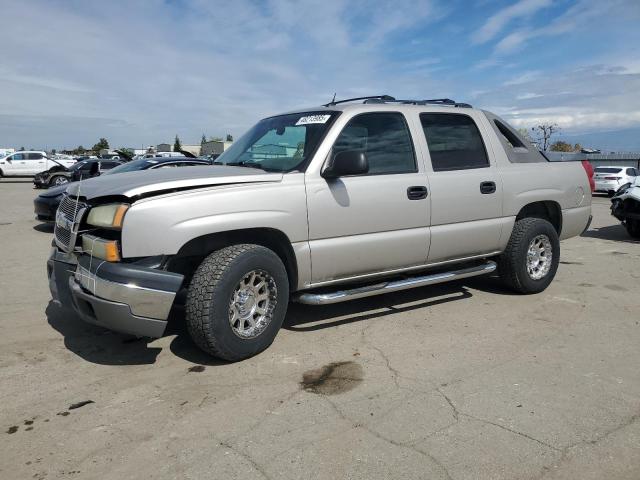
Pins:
x: 544, y: 132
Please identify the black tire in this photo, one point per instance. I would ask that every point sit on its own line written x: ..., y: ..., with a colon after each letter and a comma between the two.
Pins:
x: 633, y: 227
x: 210, y: 294
x: 512, y: 264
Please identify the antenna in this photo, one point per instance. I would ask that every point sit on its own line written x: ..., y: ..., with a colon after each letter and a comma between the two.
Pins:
x: 333, y: 100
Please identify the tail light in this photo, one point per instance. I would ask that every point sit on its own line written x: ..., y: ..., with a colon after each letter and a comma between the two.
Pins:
x: 589, y: 171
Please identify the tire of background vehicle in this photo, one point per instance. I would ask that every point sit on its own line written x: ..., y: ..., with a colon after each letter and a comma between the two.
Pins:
x: 514, y: 261
x: 633, y: 227
x: 58, y: 180
x: 219, y: 279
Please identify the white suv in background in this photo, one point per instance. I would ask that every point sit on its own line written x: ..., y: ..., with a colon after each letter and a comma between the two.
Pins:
x: 28, y: 163
x: 610, y: 178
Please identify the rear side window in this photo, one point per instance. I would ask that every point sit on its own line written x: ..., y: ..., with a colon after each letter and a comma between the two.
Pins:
x: 607, y: 170
x: 34, y: 156
x: 631, y: 172
x: 385, y: 140
x: 511, y: 138
x: 454, y: 142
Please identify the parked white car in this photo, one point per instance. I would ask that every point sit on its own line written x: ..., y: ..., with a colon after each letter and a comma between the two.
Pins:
x: 610, y: 179
x: 28, y: 163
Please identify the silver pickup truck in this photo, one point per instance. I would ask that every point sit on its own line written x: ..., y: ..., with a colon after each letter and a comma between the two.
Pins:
x: 321, y: 205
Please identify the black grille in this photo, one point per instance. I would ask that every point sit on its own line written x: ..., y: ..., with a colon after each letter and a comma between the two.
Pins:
x: 70, y: 210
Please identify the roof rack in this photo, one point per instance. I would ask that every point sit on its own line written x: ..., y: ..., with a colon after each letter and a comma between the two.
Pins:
x: 381, y: 98
x: 390, y: 99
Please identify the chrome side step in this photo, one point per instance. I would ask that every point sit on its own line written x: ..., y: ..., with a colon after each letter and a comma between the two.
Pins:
x: 311, y: 298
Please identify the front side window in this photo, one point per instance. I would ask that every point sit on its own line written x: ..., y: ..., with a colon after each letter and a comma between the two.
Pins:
x: 385, y: 140
x: 18, y: 156
x: 454, y: 142
x: 279, y: 144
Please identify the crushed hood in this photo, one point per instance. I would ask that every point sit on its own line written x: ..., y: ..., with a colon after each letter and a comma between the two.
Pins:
x: 144, y: 182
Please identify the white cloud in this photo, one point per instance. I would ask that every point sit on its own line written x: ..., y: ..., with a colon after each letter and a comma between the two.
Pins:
x: 191, y: 67
x: 496, y: 23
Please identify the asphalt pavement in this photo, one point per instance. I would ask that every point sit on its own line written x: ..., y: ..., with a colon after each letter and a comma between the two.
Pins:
x: 459, y: 381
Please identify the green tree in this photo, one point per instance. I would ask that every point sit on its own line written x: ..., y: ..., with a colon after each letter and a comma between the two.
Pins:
x: 215, y: 139
x: 177, y: 146
x: 22, y: 149
x: 102, y: 144
x: 127, y: 151
x: 229, y: 137
x: 80, y: 150
x: 561, y: 146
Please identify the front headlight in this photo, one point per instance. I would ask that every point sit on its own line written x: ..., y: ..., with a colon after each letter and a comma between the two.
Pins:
x: 108, y: 216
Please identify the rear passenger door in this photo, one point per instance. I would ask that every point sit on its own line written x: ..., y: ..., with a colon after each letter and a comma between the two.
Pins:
x: 466, y: 191
x: 375, y: 222
x: 35, y: 163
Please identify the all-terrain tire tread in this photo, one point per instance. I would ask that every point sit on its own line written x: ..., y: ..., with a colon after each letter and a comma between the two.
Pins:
x: 200, y: 294
x: 508, y: 262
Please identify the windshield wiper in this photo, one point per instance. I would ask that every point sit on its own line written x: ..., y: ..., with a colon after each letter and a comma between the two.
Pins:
x: 246, y: 164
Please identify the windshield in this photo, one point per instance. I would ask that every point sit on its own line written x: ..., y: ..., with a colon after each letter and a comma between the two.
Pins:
x: 279, y: 144
x: 77, y: 165
x: 133, y: 166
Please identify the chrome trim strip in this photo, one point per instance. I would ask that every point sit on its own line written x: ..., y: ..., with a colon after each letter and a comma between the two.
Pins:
x: 143, y: 302
x: 394, y: 286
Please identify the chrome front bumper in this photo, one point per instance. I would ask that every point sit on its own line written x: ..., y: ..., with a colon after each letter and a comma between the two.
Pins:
x: 120, y: 297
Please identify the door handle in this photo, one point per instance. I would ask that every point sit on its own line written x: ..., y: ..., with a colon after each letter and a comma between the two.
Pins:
x: 487, y: 187
x: 417, y: 192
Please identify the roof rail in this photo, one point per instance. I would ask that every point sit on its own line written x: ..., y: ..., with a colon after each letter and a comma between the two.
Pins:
x: 382, y: 98
x: 390, y: 99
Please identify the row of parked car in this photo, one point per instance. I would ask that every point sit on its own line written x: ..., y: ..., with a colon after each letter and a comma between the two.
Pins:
x: 58, y: 179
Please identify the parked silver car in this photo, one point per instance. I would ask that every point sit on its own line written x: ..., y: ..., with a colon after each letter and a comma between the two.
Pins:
x: 319, y: 205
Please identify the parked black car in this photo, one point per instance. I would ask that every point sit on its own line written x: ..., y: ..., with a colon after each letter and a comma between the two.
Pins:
x: 61, y: 175
x: 46, y: 204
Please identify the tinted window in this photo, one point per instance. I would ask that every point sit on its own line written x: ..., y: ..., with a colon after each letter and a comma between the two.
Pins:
x: 108, y: 165
x: 511, y: 138
x: 607, y: 170
x: 383, y: 137
x: 631, y: 172
x: 34, y: 156
x: 454, y: 142
x: 18, y: 156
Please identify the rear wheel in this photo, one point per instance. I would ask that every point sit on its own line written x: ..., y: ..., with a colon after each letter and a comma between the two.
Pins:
x: 531, y: 258
x: 237, y: 301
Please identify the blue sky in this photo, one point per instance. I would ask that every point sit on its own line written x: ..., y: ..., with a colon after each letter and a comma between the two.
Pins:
x: 140, y: 72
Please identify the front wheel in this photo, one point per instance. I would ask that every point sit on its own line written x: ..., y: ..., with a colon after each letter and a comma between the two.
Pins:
x: 633, y: 227
x: 237, y: 301
x: 531, y: 258
x: 58, y: 180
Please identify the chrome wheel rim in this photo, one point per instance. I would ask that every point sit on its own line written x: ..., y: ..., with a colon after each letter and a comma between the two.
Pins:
x: 60, y: 181
x: 252, y: 304
x: 539, y: 257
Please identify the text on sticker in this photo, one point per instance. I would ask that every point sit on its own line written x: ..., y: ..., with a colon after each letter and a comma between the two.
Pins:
x: 313, y: 119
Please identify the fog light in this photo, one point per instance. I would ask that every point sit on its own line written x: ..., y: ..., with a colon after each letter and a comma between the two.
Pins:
x: 99, y: 247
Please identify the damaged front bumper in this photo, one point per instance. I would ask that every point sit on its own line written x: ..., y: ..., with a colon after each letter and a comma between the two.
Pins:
x: 118, y: 296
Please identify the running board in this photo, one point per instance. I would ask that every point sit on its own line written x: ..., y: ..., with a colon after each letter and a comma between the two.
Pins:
x: 311, y: 298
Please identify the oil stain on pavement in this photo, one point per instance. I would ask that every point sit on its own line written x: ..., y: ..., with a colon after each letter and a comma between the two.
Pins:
x: 333, y: 378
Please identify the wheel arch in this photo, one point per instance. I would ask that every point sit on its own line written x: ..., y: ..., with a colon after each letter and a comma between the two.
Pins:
x: 191, y: 254
x: 546, y: 209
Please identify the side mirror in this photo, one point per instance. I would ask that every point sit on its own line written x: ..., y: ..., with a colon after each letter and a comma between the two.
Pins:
x: 350, y: 162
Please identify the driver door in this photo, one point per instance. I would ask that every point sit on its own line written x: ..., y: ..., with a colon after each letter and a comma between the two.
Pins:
x: 371, y: 223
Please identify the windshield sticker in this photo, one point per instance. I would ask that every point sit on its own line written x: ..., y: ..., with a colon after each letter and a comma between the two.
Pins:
x: 313, y: 119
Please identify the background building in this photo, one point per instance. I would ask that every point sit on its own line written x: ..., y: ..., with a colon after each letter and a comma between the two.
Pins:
x: 214, y: 147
